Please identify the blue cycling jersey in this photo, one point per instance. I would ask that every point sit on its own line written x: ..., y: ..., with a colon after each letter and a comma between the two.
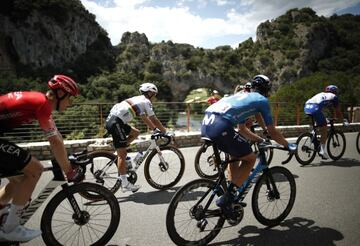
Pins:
x: 238, y: 107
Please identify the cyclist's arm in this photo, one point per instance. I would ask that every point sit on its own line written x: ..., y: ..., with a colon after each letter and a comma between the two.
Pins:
x: 59, y: 152
x: 147, y: 121
x: 245, y: 132
x: 277, y: 136
x: 339, y: 113
x: 157, y: 123
x: 260, y: 121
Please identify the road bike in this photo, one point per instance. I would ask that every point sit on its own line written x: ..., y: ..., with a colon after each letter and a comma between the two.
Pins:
x: 205, y: 159
x: 69, y: 218
x: 193, y: 218
x: 309, y: 144
x: 164, y: 165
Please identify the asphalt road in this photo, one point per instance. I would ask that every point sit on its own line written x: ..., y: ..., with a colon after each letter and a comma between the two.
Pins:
x: 326, y: 209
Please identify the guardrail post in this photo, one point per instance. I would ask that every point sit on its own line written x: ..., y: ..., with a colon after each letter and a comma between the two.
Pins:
x: 188, y: 117
x: 276, y: 116
x: 297, y: 114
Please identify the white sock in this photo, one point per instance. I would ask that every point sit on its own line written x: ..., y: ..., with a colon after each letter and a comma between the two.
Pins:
x: 13, y: 219
x: 124, y: 180
x: 323, y: 148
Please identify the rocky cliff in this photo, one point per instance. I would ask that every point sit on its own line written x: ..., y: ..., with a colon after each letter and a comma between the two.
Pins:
x: 38, y: 35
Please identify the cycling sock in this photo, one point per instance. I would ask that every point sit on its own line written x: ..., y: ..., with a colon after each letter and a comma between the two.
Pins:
x: 323, y: 147
x: 124, y: 180
x: 13, y: 218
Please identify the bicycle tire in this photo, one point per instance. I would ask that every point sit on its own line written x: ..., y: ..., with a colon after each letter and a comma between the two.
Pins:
x: 110, y: 181
x: 97, y: 214
x: 261, y: 191
x: 358, y: 142
x: 334, y: 143
x: 156, y: 172
x: 205, y: 162
x: 305, y: 149
x: 180, y: 220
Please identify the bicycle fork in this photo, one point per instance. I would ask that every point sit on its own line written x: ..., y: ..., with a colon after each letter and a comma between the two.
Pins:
x: 80, y: 217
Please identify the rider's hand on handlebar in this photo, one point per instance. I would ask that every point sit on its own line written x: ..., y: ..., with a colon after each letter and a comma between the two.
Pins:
x: 346, y: 122
x: 75, y: 175
x: 156, y: 131
x: 292, y: 147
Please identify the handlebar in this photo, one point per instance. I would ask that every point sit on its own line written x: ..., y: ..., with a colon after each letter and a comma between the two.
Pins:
x: 79, y: 158
x: 266, y: 145
x: 160, y: 135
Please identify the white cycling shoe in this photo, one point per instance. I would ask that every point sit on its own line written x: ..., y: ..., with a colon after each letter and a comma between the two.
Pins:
x: 130, y: 187
x: 20, y: 234
x: 323, y: 154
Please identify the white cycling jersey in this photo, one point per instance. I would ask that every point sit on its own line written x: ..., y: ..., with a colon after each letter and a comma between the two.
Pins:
x: 129, y: 108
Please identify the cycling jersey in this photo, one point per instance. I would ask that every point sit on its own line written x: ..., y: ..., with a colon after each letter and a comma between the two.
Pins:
x: 22, y: 107
x: 134, y: 106
x: 238, y: 107
x: 314, y: 106
x: 323, y: 99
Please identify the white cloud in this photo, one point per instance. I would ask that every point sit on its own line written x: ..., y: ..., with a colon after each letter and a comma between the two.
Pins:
x: 182, y: 25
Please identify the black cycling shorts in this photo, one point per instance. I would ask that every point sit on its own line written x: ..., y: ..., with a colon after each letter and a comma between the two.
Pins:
x: 119, y: 131
x: 12, y: 157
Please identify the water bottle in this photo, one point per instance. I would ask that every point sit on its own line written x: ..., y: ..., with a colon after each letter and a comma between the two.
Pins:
x: 128, y: 162
x: 138, y: 156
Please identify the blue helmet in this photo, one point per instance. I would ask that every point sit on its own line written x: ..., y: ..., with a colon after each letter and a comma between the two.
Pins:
x: 332, y: 88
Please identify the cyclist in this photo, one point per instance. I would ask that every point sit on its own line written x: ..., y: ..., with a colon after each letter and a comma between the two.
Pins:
x: 123, y: 134
x: 218, y: 125
x: 214, y: 98
x: 314, y: 106
x: 18, y: 108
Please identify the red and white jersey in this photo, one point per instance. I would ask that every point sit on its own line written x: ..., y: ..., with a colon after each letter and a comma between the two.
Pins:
x: 23, y: 107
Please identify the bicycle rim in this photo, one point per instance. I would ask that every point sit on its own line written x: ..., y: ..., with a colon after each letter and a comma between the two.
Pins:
x: 164, y: 174
x: 268, y: 208
x: 98, y: 222
x: 358, y: 142
x: 305, y: 152
x: 181, y: 224
x: 105, y: 172
x: 336, y: 145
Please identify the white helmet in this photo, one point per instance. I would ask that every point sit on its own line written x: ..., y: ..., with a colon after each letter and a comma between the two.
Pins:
x: 148, y: 87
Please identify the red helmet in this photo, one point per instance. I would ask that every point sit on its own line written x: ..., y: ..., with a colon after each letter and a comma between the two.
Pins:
x: 65, y: 83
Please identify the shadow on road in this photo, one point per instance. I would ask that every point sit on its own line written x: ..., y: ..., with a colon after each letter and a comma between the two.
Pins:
x: 150, y: 198
x: 296, y: 232
x: 344, y: 162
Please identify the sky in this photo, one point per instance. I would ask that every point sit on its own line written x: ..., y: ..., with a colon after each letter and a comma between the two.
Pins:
x: 201, y: 23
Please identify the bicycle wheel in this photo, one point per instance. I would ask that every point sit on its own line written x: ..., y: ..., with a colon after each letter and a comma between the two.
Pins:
x: 271, y: 206
x: 163, y: 175
x: 96, y: 225
x: 306, y: 151
x: 188, y: 224
x: 104, y: 172
x: 358, y: 142
x: 336, y: 145
x: 204, y: 163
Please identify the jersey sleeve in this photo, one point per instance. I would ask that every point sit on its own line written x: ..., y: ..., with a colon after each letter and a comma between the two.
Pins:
x: 149, y: 108
x: 265, y: 111
x: 335, y: 101
x: 46, y: 121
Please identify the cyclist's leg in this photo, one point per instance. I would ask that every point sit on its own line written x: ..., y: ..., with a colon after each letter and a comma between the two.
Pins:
x: 12, y: 159
x: 320, y: 120
x: 121, y: 133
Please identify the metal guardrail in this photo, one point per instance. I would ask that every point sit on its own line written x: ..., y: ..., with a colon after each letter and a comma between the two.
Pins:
x: 83, y: 121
